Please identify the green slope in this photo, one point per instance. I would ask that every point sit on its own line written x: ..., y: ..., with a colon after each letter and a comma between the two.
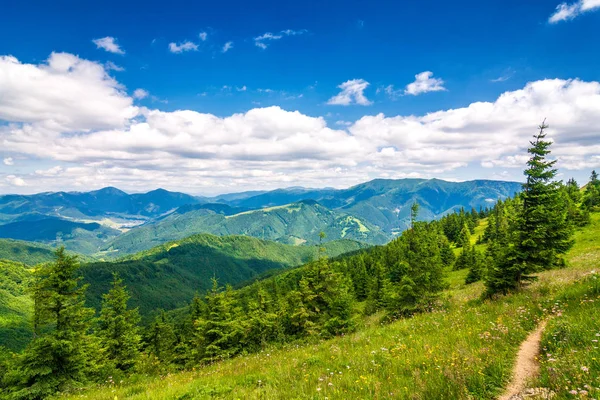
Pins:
x: 297, y: 223
x: 463, y: 350
x: 15, y: 305
x: 169, y: 275
x: 25, y: 252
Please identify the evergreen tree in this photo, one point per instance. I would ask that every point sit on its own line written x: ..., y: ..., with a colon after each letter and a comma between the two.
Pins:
x: 542, y: 232
x: 591, y: 198
x: 161, y: 338
x: 577, y: 214
x: 62, y: 355
x: 118, y: 327
x: 219, y: 330
x: 464, y: 239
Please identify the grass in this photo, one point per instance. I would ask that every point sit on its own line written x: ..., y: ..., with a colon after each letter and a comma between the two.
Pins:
x: 570, y: 360
x: 463, y: 350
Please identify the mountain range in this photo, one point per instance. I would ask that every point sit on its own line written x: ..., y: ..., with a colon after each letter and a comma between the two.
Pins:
x: 109, y: 222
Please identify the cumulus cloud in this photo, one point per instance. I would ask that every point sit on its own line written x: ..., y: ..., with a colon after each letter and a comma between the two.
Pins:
x: 109, y: 44
x: 203, y: 36
x: 226, y: 47
x: 65, y: 93
x: 272, y: 147
x: 424, y: 82
x: 140, y: 94
x: 352, y: 92
x: 8, y: 161
x: 181, y: 47
x: 565, y: 11
x: 262, y: 40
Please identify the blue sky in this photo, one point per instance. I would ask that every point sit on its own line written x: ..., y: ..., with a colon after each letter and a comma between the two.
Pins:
x: 294, y: 56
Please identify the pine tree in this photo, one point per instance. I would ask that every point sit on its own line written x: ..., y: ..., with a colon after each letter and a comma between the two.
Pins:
x: 541, y: 231
x: 62, y: 355
x: 591, y: 197
x: 118, y: 327
x: 464, y: 239
x: 161, y: 338
x: 219, y: 330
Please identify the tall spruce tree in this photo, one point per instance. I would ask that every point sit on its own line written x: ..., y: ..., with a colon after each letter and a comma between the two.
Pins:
x: 63, y: 354
x: 541, y: 231
x: 118, y: 327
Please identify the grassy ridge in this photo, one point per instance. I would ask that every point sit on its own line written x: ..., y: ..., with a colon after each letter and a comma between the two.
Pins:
x: 463, y: 350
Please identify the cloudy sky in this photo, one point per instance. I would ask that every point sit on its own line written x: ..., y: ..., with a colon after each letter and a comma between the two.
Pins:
x: 213, y: 98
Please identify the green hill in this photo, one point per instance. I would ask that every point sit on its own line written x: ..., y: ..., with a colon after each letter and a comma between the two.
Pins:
x: 15, y: 305
x: 297, y: 223
x: 25, y: 252
x: 169, y: 275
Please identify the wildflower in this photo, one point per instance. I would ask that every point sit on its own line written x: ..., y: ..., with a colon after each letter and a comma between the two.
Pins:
x: 319, y: 389
x: 585, y: 369
x: 574, y: 392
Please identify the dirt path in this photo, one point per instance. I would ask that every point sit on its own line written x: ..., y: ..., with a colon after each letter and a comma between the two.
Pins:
x: 526, y: 365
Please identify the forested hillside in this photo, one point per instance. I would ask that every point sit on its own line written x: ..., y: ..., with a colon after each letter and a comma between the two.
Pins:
x: 169, y: 275
x: 296, y: 224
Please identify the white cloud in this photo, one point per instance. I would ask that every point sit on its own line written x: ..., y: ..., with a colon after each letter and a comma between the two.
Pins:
x: 111, y: 66
x: 271, y: 147
x: 109, y: 44
x: 181, y: 47
x: 8, y: 161
x: 424, y: 83
x: 15, y: 180
x: 65, y: 93
x: 565, y: 11
x: 203, y: 36
x: 140, y: 94
x: 262, y: 40
x: 352, y: 93
x: 227, y: 46
x: 241, y: 89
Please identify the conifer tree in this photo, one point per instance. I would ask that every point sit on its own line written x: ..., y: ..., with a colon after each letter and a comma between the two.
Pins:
x: 219, y: 331
x: 464, y: 239
x: 542, y: 232
x: 161, y: 338
x: 118, y: 327
x: 591, y: 197
x: 62, y: 354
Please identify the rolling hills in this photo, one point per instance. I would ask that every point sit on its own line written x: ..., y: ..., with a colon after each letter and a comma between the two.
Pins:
x: 386, y: 202
x: 119, y: 223
x: 298, y: 223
